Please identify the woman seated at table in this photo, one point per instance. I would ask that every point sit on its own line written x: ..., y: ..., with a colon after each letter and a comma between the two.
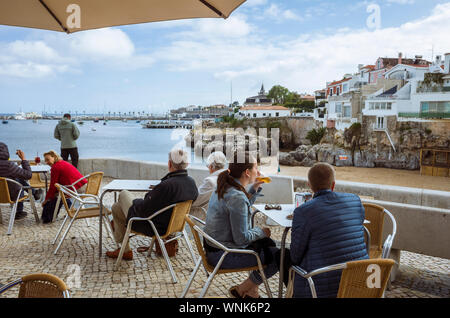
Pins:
x: 63, y: 173
x: 228, y: 221
x: 216, y: 163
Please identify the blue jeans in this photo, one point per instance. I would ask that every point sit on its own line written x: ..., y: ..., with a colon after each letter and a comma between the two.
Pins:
x: 22, y: 194
x: 235, y: 260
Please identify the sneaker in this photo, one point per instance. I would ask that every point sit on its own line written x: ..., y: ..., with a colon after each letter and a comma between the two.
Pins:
x: 128, y: 256
x: 20, y: 215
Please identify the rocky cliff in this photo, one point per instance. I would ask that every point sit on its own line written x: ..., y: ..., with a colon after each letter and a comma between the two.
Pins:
x: 370, y: 147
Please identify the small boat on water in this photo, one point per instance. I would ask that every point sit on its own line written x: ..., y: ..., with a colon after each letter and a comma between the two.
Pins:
x: 4, y: 121
x: 80, y: 122
x: 138, y: 121
x: 20, y: 116
x: 96, y: 120
x: 73, y: 120
x: 124, y: 120
x: 104, y: 123
x: 93, y: 129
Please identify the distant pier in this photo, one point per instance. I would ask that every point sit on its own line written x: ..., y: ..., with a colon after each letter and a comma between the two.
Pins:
x: 168, y: 125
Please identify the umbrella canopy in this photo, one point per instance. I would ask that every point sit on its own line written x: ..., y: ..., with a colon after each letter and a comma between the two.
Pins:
x: 79, y: 15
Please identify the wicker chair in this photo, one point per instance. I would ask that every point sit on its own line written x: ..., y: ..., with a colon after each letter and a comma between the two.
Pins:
x: 355, y: 278
x: 93, y: 187
x: 84, y: 206
x: 176, y: 226
x: 5, y: 198
x: 376, y: 215
x: 36, y: 181
x: 39, y: 286
x: 196, y: 232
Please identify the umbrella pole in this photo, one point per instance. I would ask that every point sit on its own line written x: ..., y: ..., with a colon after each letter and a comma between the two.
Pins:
x: 213, y: 8
x: 54, y: 16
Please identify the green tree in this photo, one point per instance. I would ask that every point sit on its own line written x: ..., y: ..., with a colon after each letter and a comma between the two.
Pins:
x: 316, y: 135
x: 279, y: 94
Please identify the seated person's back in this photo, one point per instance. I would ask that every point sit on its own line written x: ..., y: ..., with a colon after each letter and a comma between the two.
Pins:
x: 327, y: 230
x: 177, y: 186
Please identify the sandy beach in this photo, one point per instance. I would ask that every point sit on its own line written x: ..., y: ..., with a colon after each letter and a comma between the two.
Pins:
x: 403, y: 178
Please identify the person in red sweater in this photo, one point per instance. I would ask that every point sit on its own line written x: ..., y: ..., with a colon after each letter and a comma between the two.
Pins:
x: 63, y: 173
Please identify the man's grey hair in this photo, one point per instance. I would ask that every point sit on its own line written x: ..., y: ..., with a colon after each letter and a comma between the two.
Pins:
x: 179, y: 158
x: 216, y: 161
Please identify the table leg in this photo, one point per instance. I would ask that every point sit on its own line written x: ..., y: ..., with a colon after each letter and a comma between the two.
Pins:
x: 368, y: 239
x: 33, y: 205
x: 283, y: 250
x: 100, y: 224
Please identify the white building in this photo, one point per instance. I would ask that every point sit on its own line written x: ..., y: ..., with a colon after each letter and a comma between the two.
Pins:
x: 426, y: 94
x: 252, y: 111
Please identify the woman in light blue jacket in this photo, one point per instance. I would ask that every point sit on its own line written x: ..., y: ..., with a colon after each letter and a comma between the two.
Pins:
x: 228, y: 221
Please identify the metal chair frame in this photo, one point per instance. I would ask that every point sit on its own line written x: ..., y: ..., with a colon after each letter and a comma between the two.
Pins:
x: 55, y: 212
x: 154, y: 238
x: 308, y: 275
x: 219, y: 264
x: 387, y: 244
x: 15, y: 203
x: 77, y: 198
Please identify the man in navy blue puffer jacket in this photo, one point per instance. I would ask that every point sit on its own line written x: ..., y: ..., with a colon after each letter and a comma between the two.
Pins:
x: 326, y: 230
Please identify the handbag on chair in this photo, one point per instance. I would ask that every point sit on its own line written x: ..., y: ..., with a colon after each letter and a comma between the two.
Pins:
x: 171, y: 248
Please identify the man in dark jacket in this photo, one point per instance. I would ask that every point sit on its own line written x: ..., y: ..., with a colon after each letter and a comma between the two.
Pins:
x: 9, y: 169
x: 327, y: 230
x: 175, y: 187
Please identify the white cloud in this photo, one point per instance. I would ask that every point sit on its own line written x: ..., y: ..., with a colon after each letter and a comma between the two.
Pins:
x: 60, y: 53
x: 254, y: 3
x: 102, y: 43
x: 28, y: 59
x: 401, y: 1
x: 279, y: 14
x: 306, y: 63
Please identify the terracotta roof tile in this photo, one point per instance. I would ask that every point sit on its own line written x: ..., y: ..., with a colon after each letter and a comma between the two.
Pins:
x: 339, y: 82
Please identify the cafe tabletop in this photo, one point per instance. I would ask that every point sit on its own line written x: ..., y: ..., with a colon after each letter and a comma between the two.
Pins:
x: 130, y: 185
x: 40, y: 168
x: 280, y: 216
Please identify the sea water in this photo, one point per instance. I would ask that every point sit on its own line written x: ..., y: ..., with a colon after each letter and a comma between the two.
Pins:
x: 116, y: 139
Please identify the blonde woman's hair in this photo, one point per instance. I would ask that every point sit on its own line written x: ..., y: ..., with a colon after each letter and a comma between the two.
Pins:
x: 53, y: 154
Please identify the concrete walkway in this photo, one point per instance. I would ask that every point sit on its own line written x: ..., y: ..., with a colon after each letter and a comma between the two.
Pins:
x: 29, y: 250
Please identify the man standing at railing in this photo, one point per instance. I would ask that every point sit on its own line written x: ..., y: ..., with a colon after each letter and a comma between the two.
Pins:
x: 67, y: 132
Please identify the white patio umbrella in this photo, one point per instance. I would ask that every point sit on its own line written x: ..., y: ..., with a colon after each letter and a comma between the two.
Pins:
x: 78, y: 15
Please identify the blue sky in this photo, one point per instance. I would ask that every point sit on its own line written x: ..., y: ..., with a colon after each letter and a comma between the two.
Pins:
x: 300, y: 44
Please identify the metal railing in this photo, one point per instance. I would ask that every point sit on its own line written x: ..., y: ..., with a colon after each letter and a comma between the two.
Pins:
x: 425, y: 115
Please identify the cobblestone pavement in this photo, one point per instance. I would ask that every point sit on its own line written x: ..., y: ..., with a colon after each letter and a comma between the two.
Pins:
x: 29, y: 250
